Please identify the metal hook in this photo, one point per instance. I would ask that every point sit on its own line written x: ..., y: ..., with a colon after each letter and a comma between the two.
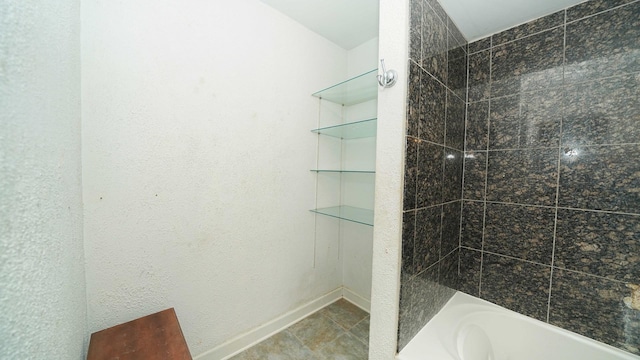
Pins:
x: 388, y: 78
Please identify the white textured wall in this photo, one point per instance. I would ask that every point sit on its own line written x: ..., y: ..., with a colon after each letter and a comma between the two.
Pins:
x: 42, y: 282
x: 196, y: 157
x: 387, y: 232
x: 357, y: 189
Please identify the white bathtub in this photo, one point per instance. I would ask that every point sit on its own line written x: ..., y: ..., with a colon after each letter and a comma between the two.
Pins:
x: 468, y: 328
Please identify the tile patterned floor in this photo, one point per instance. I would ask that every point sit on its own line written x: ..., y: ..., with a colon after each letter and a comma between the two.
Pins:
x: 339, y: 331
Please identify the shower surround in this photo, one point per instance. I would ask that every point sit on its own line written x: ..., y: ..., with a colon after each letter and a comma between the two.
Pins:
x: 551, y: 188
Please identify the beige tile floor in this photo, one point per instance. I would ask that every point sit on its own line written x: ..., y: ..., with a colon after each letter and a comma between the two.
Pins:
x: 339, y: 331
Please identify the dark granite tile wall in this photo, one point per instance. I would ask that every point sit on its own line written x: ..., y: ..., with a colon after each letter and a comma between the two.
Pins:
x: 551, y: 186
x: 436, y: 106
x: 516, y: 284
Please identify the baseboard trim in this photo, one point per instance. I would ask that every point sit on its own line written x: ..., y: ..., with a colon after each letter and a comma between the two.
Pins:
x: 254, y: 336
x: 356, y: 299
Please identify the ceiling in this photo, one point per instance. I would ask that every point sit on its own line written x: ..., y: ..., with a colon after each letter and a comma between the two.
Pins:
x: 349, y: 23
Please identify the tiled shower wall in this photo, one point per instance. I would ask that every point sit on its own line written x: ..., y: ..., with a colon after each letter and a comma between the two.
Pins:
x: 551, y: 210
x: 434, y: 164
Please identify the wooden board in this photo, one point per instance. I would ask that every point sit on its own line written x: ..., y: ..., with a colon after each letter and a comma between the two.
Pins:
x: 156, y: 336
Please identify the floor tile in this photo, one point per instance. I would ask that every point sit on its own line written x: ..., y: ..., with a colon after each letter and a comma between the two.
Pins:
x: 344, y: 313
x: 361, y: 330
x: 346, y: 347
x: 316, y: 330
x: 281, y: 346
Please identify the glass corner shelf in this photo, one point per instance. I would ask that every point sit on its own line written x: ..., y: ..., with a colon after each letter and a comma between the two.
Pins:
x: 349, y: 213
x: 354, y: 130
x: 358, y: 89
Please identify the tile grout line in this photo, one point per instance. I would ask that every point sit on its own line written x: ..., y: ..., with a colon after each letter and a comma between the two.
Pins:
x: 612, y: 212
x: 558, y: 167
x: 417, y: 152
x: 420, y: 140
x: 438, y: 80
x: 600, y: 12
x: 464, y: 162
x: 555, y: 147
x: 560, y: 87
x: 486, y: 169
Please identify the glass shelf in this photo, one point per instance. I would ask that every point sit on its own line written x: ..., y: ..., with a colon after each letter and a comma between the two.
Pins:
x: 353, y: 91
x: 344, y: 171
x: 354, y: 130
x: 349, y: 213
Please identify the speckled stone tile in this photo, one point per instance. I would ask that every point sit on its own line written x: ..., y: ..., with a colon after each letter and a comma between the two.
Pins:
x: 281, y: 346
x: 345, y: 347
x: 594, y: 307
x: 477, y: 124
x: 469, y: 277
x: 453, y: 164
x: 598, y: 243
x: 408, y: 236
x: 427, y: 241
x: 601, y: 178
x: 415, y: 308
x: 450, y: 227
x: 437, y: 8
x: 315, y: 331
x: 457, y: 71
x: 529, y: 28
x: 433, y: 100
x: 428, y: 296
x: 434, y: 44
x: 479, y: 76
x: 472, y: 224
x: 430, y: 172
x: 480, y: 45
x: 344, y: 313
x: 515, y: 284
x: 456, y: 38
x: 603, y: 45
x: 449, y: 270
x: 602, y: 112
x: 475, y: 174
x: 528, y: 64
x: 410, y: 174
x: 526, y: 120
x: 361, y: 330
x: 407, y: 326
x: 415, y: 30
x: 504, y: 122
x: 524, y: 232
x: 454, y: 134
x: 592, y: 7
x: 523, y: 176
x: 413, y: 99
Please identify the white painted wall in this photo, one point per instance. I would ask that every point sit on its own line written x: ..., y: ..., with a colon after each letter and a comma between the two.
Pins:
x: 387, y: 231
x: 356, y: 240
x: 42, y: 280
x: 196, y: 158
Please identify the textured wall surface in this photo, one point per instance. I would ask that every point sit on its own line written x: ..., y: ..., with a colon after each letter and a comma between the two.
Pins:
x: 42, y: 282
x: 388, y: 193
x: 196, y: 157
x: 551, y: 219
x: 436, y: 99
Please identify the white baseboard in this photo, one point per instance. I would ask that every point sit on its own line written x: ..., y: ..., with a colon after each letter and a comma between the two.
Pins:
x: 254, y: 336
x: 356, y: 299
